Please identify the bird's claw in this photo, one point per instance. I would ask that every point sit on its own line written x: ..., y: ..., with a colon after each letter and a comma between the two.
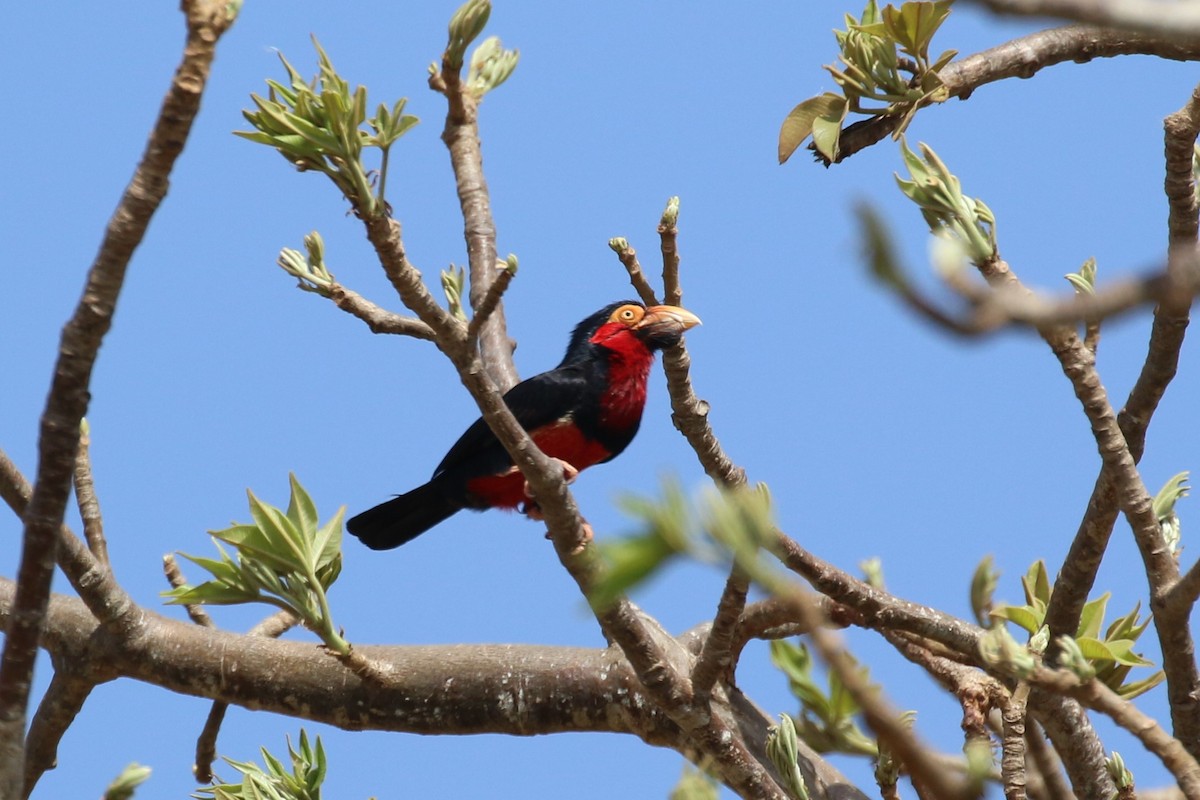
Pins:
x: 569, y: 473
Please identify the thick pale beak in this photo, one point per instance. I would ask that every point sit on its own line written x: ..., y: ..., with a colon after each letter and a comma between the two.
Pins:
x: 663, y: 326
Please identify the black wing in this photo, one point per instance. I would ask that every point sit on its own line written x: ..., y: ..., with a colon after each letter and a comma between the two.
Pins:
x: 540, y: 400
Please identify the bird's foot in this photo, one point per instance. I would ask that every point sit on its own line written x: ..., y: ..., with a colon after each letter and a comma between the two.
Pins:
x: 569, y: 473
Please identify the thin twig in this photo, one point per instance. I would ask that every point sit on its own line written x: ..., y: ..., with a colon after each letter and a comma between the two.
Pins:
x: 668, y: 233
x: 637, y: 278
x: 69, y: 689
x: 881, y: 609
x: 491, y: 300
x: 175, y: 577
x: 378, y: 319
x: 85, y: 498
x: 271, y: 627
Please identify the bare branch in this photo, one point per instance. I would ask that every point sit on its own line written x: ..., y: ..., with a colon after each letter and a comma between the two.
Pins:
x: 378, y: 319
x: 717, y: 656
x: 85, y: 497
x: 68, y: 398
x: 64, y: 699
x: 1045, y: 762
x: 195, y: 611
x: 668, y: 234
x: 637, y: 278
x: 1012, y: 762
x: 879, y: 608
x: 491, y: 300
x: 461, y: 136
x: 1179, y: 21
x: 272, y: 627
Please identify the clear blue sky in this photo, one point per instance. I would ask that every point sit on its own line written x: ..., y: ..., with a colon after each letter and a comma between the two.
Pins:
x: 878, y: 435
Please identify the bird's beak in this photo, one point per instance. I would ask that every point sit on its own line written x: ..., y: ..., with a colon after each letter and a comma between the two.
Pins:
x: 664, y: 325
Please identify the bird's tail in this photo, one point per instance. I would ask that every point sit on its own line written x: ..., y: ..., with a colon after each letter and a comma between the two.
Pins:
x: 403, y: 518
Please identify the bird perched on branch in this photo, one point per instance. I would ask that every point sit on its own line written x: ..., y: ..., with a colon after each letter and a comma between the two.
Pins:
x: 585, y: 411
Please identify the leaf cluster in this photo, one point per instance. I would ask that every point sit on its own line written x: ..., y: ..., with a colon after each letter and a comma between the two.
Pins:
x: 277, y: 782
x: 318, y: 126
x: 827, y: 718
x: 1110, y: 653
x: 885, y: 70
x: 947, y: 211
x: 729, y: 523
x: 286, y: 559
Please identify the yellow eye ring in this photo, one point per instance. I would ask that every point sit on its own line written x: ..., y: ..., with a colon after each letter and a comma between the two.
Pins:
x: 628, y: 315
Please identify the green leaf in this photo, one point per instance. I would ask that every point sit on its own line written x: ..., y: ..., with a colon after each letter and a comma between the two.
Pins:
x: 827, y: 130
x: 914, y: 24
x: 1022, y: 616
x: 210, y: 593
x: 798, y: 125
x: 284, y: 538
x: 983, y: 588
x: 1092, y: 617
x: 1036, y: 583
x: 1129, y: 691
x: 301, y: 509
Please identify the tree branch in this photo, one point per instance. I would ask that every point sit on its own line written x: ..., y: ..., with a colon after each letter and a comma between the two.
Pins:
x: 85, y: 497
x: 1024, y: 57
x: 378, y: 319
x: 517, y: 690
x: 461, y: 136
x: 1172, y: 21
x: 68, y: 398
x: 64, y: 699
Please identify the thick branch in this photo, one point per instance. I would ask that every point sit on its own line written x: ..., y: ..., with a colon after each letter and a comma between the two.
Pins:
x: 519, y: 690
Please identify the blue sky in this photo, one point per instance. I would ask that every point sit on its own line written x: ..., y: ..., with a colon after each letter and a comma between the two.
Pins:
x: 878, y: 435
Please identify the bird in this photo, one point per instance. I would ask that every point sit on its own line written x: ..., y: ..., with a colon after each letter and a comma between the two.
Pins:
x: 583, y: 412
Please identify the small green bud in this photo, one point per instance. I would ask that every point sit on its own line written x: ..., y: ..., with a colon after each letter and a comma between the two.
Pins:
x: 1039, y: 641
x: 783, y: 750
x: 670, y: 215
x: 1071, y: 658
x: 1000, y: 650
x: 1117, y: 770
x: 618, y: 243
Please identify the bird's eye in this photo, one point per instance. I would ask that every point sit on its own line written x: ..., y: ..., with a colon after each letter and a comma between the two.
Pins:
x: 627, y: 314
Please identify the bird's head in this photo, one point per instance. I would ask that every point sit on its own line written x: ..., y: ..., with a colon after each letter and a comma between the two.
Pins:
x: 627, y: 323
